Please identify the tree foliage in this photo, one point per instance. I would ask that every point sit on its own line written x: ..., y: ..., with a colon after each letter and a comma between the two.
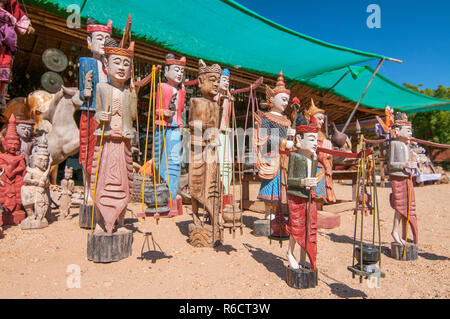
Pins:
x: 435, y: 125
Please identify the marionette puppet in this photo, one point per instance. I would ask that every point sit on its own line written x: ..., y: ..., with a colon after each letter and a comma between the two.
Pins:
x: 13, y: 169
x: 91, y: 72
x: 401, y: 165
x: 35, y: 193
x: 112, y: 164
x: 302, y: 227
x: 272, y: 130
x: 225, y: 99
x: 168, y: 139
x: 324, y: 190
x: 203, y: 175
x: 11, y: 18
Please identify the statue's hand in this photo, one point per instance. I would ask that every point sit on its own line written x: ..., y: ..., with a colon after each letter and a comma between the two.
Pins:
x: 289, y: 144
x: 105, y: 116
x: 411, y: 165
x: 309, y: 181
x: 168, y: 113
x: 87, y: 92
x: 30, y: 30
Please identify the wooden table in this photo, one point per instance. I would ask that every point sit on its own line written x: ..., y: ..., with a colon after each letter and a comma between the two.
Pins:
x: 347, y: 175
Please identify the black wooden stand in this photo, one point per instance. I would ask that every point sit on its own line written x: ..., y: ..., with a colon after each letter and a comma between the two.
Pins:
x: 412, y: 251
x: 301, y: 278
x: 104, y: 248
x: 85, y: 216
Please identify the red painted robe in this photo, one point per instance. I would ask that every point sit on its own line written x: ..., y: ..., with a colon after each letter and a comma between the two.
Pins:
x: 12, y: 180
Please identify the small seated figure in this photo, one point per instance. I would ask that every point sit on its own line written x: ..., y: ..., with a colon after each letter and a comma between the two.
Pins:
x: 67, y: 185
x: 35, y: 198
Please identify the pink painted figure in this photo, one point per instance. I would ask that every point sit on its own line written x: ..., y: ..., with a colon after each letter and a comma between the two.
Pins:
x: 116, y: 107
x: 13, y: 167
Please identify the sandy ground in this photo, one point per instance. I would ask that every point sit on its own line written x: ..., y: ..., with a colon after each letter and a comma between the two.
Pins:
x: 34, y: 264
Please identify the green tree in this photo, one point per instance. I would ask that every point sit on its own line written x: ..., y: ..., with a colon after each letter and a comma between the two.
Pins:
x: 435, y: 125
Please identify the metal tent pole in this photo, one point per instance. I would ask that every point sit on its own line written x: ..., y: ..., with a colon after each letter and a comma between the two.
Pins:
x: 362, y: 96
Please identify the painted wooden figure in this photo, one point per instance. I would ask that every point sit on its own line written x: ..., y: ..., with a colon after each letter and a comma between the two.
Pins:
x: 67, y: 188
x: 13, y: 169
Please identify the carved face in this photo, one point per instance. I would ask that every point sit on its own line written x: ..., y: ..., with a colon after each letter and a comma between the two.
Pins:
x: 307, y: 144
x: 68, y: 174
x: 320, y: 118
x: 11, y: 146
x: 97, y: 42
x: 404, y: 132
x: 24, y: 130
x: 41, y: 162
x: 224, y: 83
x: 280, y: 102
x: 209, y: 84
x: 174, y: 73
x: 119, y: 67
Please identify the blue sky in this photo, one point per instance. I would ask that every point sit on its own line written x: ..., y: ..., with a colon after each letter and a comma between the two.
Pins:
x: 417, y: 32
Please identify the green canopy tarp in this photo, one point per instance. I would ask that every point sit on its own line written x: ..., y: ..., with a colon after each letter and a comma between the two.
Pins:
x: 218, y: 30
x: 381, y: 92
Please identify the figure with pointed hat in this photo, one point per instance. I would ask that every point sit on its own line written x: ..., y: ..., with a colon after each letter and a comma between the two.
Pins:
x: 34, y: 194
x: 13, y: 167
x: 324, y: 190
x: 203, y: 169
x: 11, y: 18
x: 401, y: 164
x: 170, y: 96
x: 116, y: 108
x: 91, y: 72
x: 302, y: 227
x: 272, y: 130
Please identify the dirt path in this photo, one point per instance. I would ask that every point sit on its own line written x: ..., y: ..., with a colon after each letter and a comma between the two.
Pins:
x: 33, y: 263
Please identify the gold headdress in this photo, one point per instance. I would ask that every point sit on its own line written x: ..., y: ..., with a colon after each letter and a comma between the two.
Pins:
x: 279, y: 88
x: 312, y: 110
x: 203, y: 68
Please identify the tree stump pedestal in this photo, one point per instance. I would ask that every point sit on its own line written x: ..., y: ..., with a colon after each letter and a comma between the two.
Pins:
x: 104, y: 248
x: 202, y: 236
x: 261, y: 227
x: 85, y: 216
x: 412, y: 251
x: 301, y: 278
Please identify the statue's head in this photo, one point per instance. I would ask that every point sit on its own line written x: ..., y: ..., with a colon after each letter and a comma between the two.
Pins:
x: 97, y: 35
x: 41, y: 155
x: 118, y: 61
x: 402, y: 126
x: 278, y: 97
x: 208, y: 79
x: 25, y: 129
x: 68, y: 172
x: 174, y: 69
x: 224, y: 83
x: 306, y: 136
x: 315, y: 115
x: 11, y: 142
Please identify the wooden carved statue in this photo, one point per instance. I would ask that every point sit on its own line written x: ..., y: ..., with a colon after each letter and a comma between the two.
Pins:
x: 116, y: 107
x: 35, y: 195
x: 90, y: 74
x: 172, y: 102
x: 324, y: 190
x: 11, y: 18
x: 302, y: 181
x: 203, y: 175
x: 224, y: 98
x: 13, y: 168
x: 67, y: 188
x: 401, y: 164
x: 272, y: 131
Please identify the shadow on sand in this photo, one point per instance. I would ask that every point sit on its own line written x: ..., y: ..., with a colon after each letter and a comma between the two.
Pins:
x: 151, y: 254
x: 273, y: 263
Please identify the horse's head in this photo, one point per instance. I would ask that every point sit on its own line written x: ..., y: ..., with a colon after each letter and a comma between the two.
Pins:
x: 39, y: 103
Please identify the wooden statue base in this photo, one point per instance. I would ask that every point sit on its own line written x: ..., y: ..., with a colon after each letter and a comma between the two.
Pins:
x: 29, y: 223
x: 85, y: 217
x: 104, y: 248
x: 261, y: 227
x: 412, y: 251
x: 301, y: 278
x: 202, y: 236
